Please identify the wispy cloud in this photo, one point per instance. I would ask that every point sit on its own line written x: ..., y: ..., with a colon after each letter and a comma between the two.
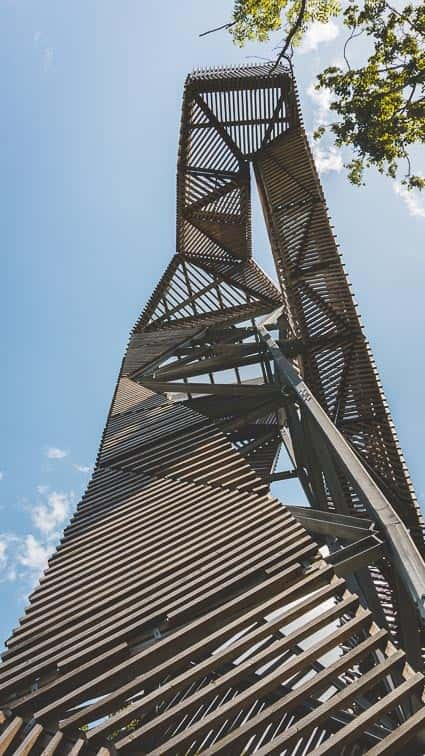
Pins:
x: 51, y: 513
x: 3, y: 552
x: 327, y: 160
x: 1, y: 475
x: 9, y: 542
x: 54, y: 453
x: 24, y: 557
x: 413, y: 199
x: 82, y: 468
x: 322, y: 100
x: 33, y: 555
x: 47, y: 53
x: 317, y: 34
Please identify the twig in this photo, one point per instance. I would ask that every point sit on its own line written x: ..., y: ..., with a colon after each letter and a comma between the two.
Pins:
x: 351, y: 37
x: 258, y: 57
x: 219, y: 28
x: 405, y: 18
x: 410, y: 98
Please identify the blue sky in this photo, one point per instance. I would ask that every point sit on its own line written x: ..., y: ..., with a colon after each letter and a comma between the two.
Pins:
x: 91, y: 94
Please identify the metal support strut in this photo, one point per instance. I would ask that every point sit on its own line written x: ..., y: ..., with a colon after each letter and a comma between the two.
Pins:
x: 406, y: 558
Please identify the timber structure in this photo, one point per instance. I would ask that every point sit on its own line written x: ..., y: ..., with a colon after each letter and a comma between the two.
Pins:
x: 186, y: 610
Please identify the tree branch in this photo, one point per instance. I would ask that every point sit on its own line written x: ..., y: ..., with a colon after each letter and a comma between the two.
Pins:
x: 352, y: 36
x: 291, y: 35
x: 218, y: 28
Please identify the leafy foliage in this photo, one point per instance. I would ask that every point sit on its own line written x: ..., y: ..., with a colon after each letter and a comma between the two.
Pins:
x: 256, y: 19
x: 380, y: 106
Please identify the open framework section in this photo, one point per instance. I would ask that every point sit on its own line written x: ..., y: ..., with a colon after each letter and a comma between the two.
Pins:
x: 186, y: 610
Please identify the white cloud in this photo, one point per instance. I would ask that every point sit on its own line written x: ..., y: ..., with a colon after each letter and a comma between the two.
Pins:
x: 318, y: 33
x: 327, y: 160
x: 3, y: 557
x: 24, y: 557
x: 54, y: 453
x: 11, y: 574
x: 47, y: 516
x: 322, y: 99
x: 1, y: 475
x: 8, y: 543
x: 414, y: 200
x: 82, y: 468
x: 48, y: 55
x: 33, y: 554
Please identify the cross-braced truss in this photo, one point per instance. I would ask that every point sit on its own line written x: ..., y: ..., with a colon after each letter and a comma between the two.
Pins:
x: 186, y: 610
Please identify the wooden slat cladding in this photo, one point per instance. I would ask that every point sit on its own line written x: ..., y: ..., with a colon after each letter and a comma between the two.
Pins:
x: 342, y: 376
x: 186, y: 610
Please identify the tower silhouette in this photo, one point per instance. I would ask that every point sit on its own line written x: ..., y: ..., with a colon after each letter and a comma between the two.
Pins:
x: 186, y: 610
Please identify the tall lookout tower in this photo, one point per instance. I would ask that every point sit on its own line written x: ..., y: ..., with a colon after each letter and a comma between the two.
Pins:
x: 186, y: 610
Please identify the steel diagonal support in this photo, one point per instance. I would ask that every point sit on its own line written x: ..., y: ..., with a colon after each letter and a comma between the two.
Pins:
x: 203, y: 366
x: 218, y: 389
x: 309, y: 474
x: 321, y: 460
x: 359, y: 554
x: 404, y: 554
x: 344, y: 527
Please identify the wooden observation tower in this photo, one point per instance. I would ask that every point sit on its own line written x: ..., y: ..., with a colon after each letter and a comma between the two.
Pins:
x: 186, y: 610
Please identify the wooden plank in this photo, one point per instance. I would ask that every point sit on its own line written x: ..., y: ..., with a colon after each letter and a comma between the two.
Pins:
x: 259, y: 688
x: 307, y: 723
x: 77, y: 747
x: 53, y: 745
x: 29, y: 741
x: 8, y: 735
x: 54, y: 688
x: 232, y: 651
x: 241, y: 611
x: 355, y: 729
x: 403, y: 734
